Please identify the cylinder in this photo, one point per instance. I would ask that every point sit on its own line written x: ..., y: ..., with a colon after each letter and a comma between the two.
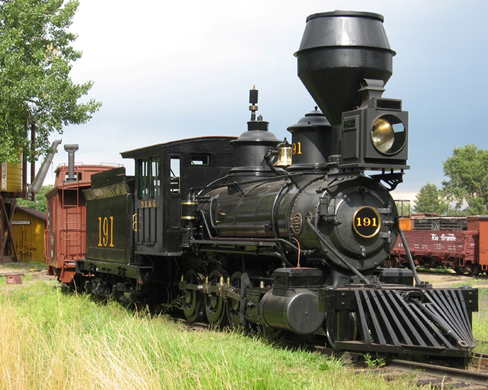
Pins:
x: 297, y: 313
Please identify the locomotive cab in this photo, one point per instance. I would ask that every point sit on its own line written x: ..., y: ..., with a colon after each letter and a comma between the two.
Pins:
x: 166, y: 175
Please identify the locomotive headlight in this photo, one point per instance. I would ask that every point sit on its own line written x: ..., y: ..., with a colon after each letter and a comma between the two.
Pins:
x: 388, y: 135
x: 375, y: 137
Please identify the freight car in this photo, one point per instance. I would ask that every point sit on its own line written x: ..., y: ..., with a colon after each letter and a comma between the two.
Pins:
x: 65, y: 234
x: 431, y: 246
x: 231, y: 231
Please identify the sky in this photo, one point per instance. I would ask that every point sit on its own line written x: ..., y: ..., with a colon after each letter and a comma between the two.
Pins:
x: 167, y: 70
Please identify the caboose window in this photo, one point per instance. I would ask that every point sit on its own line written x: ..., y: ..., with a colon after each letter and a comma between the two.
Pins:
x: 200, y: 159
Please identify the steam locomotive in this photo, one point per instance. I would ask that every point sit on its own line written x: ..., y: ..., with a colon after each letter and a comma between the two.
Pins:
x: 252, y: 230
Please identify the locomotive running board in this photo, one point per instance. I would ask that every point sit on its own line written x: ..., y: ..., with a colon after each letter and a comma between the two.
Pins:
x: 401, y: 320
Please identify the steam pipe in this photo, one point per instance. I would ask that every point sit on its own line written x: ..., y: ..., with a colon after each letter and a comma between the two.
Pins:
x: 36, y: 185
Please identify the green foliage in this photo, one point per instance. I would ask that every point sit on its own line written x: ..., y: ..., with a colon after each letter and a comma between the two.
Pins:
x: 40, y: 203
x: 36, y: 58
x: 374, y: 362
x: 467, y: 185
x: 431, y: 199
x: 467, y: 170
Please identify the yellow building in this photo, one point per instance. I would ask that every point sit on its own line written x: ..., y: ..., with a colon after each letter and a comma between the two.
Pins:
x: 11, y: 179
x: 28, y: 228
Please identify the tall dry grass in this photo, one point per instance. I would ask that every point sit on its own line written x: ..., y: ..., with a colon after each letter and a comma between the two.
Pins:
x: 50, y: 340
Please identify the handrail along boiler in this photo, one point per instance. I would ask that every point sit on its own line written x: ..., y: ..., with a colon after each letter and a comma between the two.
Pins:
x: 225, y: 229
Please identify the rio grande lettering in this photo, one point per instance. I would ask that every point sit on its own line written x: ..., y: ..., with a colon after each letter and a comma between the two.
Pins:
x: 443, y: 237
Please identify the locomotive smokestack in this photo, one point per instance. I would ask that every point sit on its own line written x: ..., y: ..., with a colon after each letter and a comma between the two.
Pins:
x: 338, y: 50
x: 71, y: 149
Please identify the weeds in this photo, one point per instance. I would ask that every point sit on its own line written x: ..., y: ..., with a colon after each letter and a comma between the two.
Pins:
x: 374, y: 362
x: 52, y: 340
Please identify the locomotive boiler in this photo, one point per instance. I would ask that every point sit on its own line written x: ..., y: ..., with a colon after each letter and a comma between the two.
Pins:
x: 229, y: 230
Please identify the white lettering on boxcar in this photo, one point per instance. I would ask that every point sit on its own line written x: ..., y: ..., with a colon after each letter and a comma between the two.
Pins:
x: 443, y: 237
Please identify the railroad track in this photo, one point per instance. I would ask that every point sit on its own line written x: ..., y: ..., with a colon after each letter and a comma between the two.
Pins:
x: 435, y: 374
x: 476, y: 373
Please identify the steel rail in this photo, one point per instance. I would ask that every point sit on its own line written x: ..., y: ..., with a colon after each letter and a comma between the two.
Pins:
x: 479, y: 378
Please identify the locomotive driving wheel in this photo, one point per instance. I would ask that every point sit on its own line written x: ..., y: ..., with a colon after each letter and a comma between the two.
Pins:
x: 234, y: 305
x: 192, y: 303
x: 214, y: 302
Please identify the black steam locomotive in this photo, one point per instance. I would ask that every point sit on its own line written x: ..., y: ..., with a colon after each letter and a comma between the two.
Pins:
x: 253, y: 230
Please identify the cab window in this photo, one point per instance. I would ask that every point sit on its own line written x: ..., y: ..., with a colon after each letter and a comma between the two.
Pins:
x: 149, y: 179
x: 174, y: 174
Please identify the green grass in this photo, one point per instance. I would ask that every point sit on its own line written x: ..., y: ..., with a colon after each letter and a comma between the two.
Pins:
x: 480, y: 318
x: 480, y: 321
x: 50, y: 340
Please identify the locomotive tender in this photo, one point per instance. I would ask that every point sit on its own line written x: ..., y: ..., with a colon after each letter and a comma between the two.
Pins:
x: 227, y: 229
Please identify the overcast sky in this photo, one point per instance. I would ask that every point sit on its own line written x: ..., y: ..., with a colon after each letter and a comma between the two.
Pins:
x: 167, y: 70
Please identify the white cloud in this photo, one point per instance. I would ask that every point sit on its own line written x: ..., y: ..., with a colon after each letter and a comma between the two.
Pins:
x: 166, y: 70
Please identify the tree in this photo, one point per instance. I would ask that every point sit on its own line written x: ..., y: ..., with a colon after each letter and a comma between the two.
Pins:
x: 431, y: 199
x: 40, y: 203
x: 36, y: 58
x: 467, y: 170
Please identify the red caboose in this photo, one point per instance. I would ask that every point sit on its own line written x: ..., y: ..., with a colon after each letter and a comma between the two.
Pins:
x: 65, y: 234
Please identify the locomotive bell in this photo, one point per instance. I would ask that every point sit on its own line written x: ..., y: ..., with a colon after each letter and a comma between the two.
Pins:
x: 284, y: 156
